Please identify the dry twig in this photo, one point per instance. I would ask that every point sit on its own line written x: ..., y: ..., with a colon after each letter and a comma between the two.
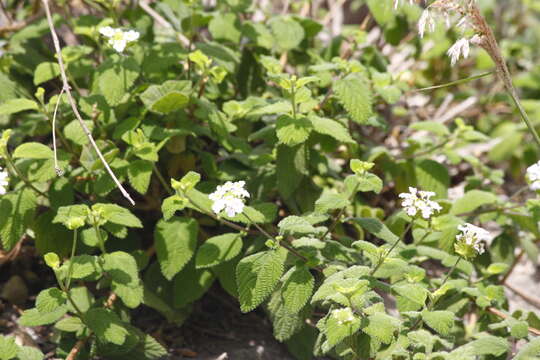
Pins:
x: 67, y: 89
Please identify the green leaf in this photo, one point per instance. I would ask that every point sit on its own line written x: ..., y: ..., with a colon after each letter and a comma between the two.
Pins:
x: 431, y: 126
x: 225, y: 27
x: 33, y: 317
x: 297, y: 288
x: 331, y: 128
x: 486, y: 345
x: 330, y: 201
x: 115, y: 77
x: 117, y: 215
x: 12, y: 106
x: 171, y: 96
x: 284, y: 322
x: 291, y: 167
x: 33, y: 150
x: 74, y: 132
x: 69, y: 324
x: 412, y: 292
x: 171, y: 205
x: 257, y: 276
x: 287, y: 32
x: 471, y: 201
x: 17, y: 211
x: 139, y: 175
x: 190, y: 284
x: 8, y: 348
x: 295, y: 225
x: 45, y: 72
x: 175, y: 242
x: 432, y: 176
x: 84, y: 266
x: 440, y: 321
x: 292, y: 131
x: 106, y: 325
x: 123, y: 270
x: 337, y: 332
x: 377, y: 228
x: 218, y: 249
x: 50, y: 299
x: 529, y: 351
x: 147, y: 349
x: 29, y: 353
x: 382, y: 327
x: 354, y: 94
x: 382, y: 10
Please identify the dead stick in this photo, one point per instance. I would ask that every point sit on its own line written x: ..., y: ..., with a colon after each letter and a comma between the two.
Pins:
x: 504, y: 316
x: 67, y: 89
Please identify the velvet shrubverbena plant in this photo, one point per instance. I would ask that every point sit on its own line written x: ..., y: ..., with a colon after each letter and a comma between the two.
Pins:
x: 270, y: 160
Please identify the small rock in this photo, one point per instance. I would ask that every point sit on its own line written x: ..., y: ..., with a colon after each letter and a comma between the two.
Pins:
x: 15, y: 290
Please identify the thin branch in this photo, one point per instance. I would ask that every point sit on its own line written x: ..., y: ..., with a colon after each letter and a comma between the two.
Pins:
x: 528, y: 298
x: 73, y: 104
x: 77, y: 348
x: 59, y: 171
x: 457, y: 82
x: 163, y: 22
x: 504, y: 316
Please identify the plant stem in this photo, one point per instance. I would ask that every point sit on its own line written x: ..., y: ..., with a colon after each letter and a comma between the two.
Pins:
x: 383, y: 258
x: 101, y: 243
x: 162, y: 180
x: 70, y: 268
x: 341, y: 211
x: 448, y: 275
x: 20, y: 175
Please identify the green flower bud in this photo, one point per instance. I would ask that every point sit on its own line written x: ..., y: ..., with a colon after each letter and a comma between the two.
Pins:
x: 52, y: 260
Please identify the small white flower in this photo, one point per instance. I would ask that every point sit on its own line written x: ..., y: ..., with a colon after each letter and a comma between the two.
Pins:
x: 418, y: 202
x: 533, y: 176
x: 426, y: 21
x: 4, y: 181
x: 396, y: 3
x: 474, y: 236
x: 343, y: 316
x: 118, y: 38
x: 229, y: 197
x: 460, y: 48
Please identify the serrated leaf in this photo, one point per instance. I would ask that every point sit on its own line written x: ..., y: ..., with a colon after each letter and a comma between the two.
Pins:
x: 226, y: 27
x: 50, y: 299
x: 382, y: 327
x: 291, y: 167
x: 190, y: 284
x: 440, y: 321
x: 118, y: 215
x: 297, y: 288
x: 354, y: 94
x: 171, y: 96
x: 8, y: 348
x: 139, y: 175
x: 287, y: 32
x: 147, y: 349
x: 84, y: 266
x: 382, y: 10
x: 292, y: 131
x: 106, y: 325
x: 69, y: 324
x: 32, y: 150
x: 171, y: 205
x: 412, y: 292
x: 123, y: 270
x: 115, y: 77
x: 74, y: 132
x: 45, y: 72
x: 336, y: 332
x: 377, y: 228
x: 295, y: 225
x: 433, y: 176
x: 257, y: 275
x: 33, y: 317
x: 218, y: 249
x: 330, y: 201
x: 331, y: 128
x: 529, y: 351
x: 17, y: 211
x: 12, y: 106
x: 175, y: 242
x: 285, y: 323
x: 29, y: 353
x: 471, y: 201
x: 486, y: 345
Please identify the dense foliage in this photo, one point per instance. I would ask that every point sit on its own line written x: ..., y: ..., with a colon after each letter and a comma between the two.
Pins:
x: 302, y: 172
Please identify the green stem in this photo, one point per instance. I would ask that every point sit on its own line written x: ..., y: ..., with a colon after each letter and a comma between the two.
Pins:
x: 457, y: 82
x: 70, y: 268
x: 513, y: 94
x: 293, y: 99
x: 162, y: 180
x: 341, y: 211
x: 383, y: 258
x: 18, y: 173
x: 101, y: 243
x: 448, y: 275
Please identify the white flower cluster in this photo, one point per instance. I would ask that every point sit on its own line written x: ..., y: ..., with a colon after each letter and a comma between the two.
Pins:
x: 4, y: 181
x: 448, y: 9
x: 418, y: 202
x: 229, y: 197
x: 119, y: 38
x: 533, y: 176
x: 343, y: 316
x: 473, y: 236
